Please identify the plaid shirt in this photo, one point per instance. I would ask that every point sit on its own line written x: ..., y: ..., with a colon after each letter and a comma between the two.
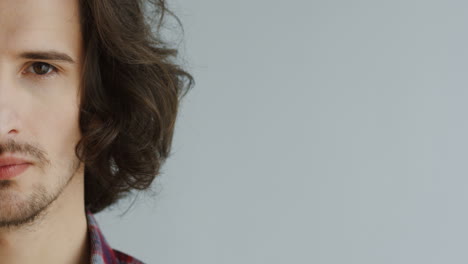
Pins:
x: 101, y: 252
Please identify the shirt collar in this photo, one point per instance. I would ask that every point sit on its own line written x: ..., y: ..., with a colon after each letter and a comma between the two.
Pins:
x: 101, y: 252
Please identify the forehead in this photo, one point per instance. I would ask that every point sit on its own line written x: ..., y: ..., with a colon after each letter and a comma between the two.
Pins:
x: 39, y: 25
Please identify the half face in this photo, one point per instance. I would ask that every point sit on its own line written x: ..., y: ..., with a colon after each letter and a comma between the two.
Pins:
x: 40, y: 68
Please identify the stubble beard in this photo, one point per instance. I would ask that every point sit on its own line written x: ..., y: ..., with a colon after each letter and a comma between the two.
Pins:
x: 16, y: 212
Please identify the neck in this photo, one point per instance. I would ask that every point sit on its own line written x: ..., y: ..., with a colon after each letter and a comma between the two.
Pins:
x: 59, y: 235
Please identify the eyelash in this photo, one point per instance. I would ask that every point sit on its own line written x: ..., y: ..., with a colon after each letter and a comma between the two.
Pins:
x: 53, y: 70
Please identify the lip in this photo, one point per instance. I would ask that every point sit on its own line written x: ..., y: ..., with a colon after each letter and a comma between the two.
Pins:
x: 10, y: 160
x: 11, y: 171
x: 11, y: 167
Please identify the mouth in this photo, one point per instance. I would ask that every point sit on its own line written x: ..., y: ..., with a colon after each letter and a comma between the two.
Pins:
x: 12, y: 170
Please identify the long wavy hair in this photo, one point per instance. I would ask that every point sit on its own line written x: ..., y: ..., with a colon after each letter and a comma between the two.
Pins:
x: 130, y: 95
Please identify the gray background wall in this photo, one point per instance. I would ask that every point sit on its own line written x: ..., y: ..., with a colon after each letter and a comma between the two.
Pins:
x: 322, y: 132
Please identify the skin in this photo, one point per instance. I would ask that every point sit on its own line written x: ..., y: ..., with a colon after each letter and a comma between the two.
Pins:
x: 42, y: 215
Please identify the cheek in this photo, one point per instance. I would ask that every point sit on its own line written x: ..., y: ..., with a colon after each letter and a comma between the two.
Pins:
x: 54, y: 124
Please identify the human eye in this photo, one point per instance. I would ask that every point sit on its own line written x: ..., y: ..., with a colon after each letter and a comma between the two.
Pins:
x: 41, y: 70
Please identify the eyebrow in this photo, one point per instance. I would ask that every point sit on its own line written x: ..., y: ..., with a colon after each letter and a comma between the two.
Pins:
x: 47, y: 55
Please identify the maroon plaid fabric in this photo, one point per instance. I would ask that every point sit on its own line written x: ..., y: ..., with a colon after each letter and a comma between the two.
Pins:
x: 101, y: 252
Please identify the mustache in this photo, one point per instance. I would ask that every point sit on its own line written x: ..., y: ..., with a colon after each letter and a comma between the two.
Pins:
x: 30, y: 150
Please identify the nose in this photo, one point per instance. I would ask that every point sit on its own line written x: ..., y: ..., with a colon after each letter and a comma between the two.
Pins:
x: 7, y: 125
x: 9, y: 106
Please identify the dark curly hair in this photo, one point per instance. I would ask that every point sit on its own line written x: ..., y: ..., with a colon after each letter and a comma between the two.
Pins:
x: 131, y: 90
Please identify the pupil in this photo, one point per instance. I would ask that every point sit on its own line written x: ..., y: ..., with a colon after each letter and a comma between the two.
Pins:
x: 41, y: 68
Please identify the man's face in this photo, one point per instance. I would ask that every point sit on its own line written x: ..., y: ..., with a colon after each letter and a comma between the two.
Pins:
x: 38, y: 102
